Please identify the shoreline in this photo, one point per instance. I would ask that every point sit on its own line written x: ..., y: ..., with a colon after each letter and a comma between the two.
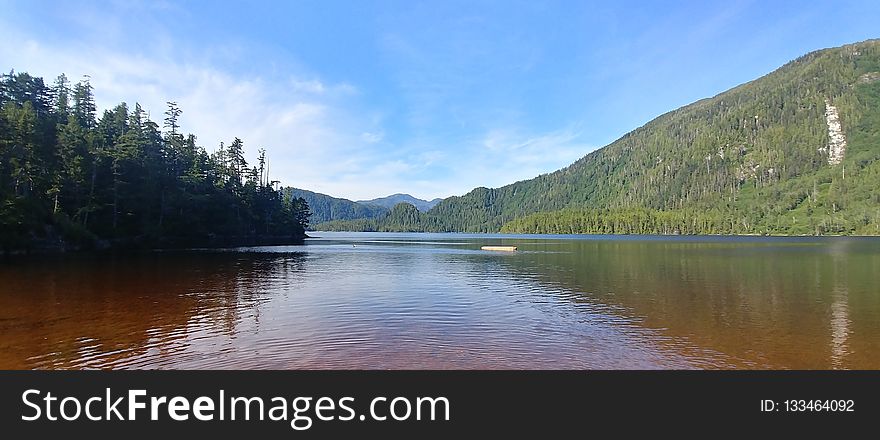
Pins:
x: 614, y: 235
x: 60, y: 247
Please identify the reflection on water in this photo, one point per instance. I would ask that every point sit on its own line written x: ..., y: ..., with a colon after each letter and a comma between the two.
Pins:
x: 839, y: 328
x: 436, y: 301
x: 840, y: 323
x: 85, y: 312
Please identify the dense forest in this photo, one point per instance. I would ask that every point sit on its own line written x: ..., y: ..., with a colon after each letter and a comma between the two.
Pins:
x: 629, y: 221
x: 757, y: 159
x: 406, y: 218
x: 69, y: 178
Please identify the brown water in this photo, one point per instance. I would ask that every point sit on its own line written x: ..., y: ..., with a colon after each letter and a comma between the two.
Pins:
x: 369, y: 300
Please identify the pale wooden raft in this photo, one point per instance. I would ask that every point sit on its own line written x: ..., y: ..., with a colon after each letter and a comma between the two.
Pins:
x: 499, y: 248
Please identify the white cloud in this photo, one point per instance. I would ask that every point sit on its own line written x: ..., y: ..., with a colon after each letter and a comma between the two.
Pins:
x: 428, y: 158
x: 372, y: 138
x: 524, y: 156
x: 311, y: 86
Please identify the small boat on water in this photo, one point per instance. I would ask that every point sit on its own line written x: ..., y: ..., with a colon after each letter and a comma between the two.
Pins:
x: 499, y: 248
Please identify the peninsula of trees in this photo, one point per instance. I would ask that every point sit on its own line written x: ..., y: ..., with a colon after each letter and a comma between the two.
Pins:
x: 71, y: 179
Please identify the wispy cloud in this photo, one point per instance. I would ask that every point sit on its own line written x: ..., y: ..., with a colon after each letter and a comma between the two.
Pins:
x: 508, y: 155
x: 540, y: 149
x: 372, y: 137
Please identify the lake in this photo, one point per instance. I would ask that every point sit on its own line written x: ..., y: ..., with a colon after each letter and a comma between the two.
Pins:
x: 436, y: 301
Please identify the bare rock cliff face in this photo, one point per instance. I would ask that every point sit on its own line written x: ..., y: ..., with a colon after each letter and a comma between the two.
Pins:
x: 837, y: 140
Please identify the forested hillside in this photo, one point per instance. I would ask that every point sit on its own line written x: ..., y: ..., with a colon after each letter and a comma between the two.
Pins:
x: 794, y: 152
x: 325, y: 208
x: 71, y: 178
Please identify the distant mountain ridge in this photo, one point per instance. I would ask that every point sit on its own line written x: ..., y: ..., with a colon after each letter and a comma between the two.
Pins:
x: 392, y: 200
x: 326, y: 208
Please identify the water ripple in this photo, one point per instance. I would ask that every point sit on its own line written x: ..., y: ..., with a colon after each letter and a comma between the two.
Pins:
x: 435, y: 301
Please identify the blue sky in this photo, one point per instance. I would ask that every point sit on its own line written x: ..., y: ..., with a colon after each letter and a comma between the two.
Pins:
x: 364, y: 99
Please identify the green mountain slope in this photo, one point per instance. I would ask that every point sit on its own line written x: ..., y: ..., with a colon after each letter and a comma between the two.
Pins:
x: 325, y: 208
x: 754, y: 159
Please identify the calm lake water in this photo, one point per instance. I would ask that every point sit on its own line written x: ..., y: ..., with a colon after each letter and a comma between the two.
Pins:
x: 373, y: 300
